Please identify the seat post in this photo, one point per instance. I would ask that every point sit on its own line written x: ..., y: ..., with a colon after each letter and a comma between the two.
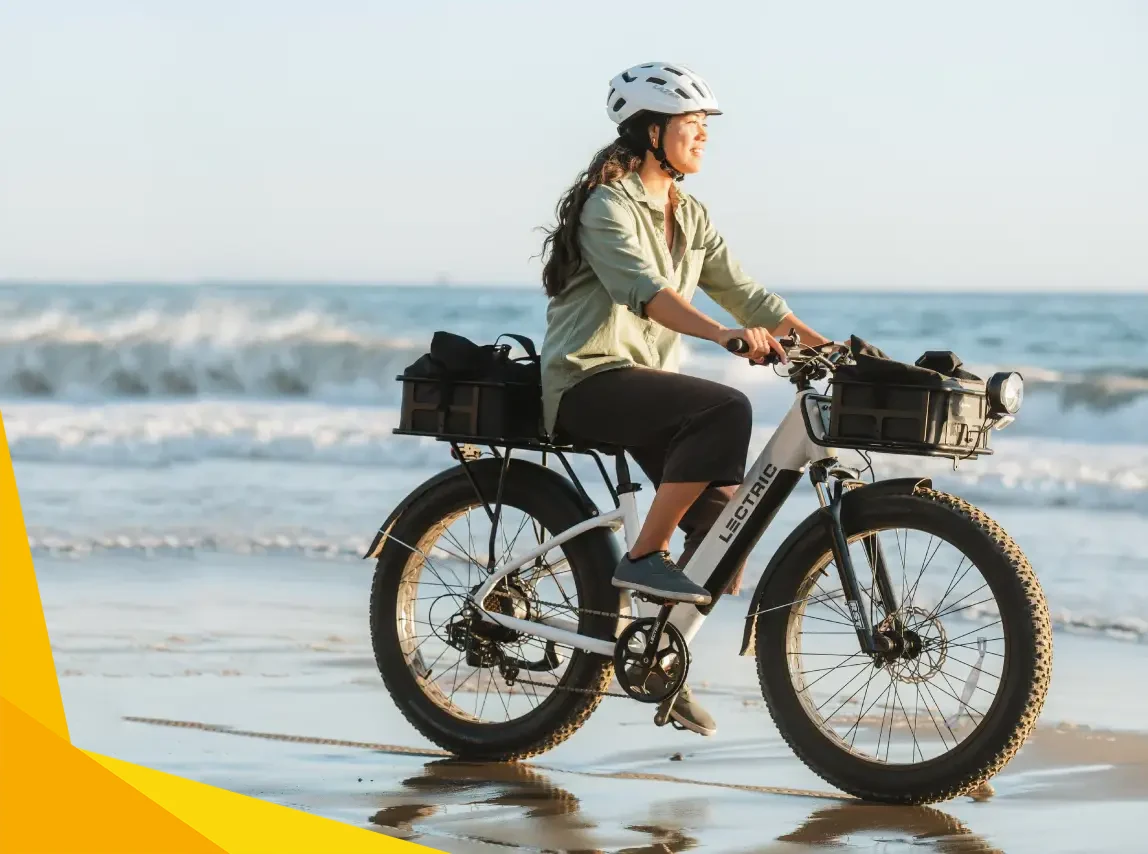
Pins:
x: 627, y: 500
x: 624, y: 483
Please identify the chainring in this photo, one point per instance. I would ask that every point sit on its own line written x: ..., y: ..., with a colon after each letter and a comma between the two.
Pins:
x: 651, y: 672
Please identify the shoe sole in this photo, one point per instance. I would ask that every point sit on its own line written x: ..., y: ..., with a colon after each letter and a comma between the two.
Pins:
x: 691, y: 726
x: 688, y: 598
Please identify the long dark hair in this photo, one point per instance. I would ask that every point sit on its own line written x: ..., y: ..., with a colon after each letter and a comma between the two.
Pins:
x: 612, y: 162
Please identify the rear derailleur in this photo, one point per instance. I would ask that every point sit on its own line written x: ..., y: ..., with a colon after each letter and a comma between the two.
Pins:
x: 484, y: 642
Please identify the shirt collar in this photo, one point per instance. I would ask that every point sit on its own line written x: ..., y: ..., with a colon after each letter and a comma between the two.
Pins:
x: 637, y: 190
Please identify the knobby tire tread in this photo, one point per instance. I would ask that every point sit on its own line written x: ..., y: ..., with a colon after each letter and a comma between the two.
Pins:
x: 589, y: 550
x: 1037, y: 621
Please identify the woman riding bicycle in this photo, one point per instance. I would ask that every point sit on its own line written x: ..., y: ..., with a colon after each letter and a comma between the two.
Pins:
x: 627, y: 254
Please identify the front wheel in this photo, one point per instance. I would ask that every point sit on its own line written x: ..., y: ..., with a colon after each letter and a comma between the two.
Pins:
x: 969, y: 655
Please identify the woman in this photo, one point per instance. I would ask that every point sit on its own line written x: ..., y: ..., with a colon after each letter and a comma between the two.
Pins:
x: 624, y: 260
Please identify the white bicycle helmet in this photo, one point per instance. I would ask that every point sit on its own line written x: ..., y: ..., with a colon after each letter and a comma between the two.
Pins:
x: 669, y: 88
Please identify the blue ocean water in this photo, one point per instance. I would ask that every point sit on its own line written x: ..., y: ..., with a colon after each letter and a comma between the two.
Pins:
x: 251, y: 418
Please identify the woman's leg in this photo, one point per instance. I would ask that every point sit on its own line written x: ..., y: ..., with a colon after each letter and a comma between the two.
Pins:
x: 687, y: 434
x: 690, y: 437
x: 670, y: 504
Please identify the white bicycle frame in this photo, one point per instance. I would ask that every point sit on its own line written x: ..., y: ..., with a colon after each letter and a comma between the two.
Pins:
x: 768, y: 484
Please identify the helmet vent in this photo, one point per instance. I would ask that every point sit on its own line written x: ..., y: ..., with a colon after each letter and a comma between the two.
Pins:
x: 672, y: 70
x: 626, y: 76
x: 683, y: 93
x: 621, y: 102
x: 657, y: 80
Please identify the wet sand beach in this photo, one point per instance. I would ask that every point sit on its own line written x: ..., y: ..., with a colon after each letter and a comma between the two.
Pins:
x: 166, y: 662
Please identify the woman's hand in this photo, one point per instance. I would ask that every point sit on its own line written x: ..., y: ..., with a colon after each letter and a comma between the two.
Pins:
x: 759, y: 339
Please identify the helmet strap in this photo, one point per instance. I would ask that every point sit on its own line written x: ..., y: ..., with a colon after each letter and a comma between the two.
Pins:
x: 660, y: 151
x: 637, y: 139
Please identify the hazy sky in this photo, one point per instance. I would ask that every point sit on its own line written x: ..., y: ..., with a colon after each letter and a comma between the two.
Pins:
x: 876, y: 144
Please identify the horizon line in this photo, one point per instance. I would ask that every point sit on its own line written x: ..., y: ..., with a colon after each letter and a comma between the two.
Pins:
x: 522, y: 286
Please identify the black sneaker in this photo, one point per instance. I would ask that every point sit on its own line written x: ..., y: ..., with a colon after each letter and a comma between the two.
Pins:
x: 660, y: 578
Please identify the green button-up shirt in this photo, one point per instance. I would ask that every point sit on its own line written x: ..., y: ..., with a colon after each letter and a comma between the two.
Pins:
x: 599, y: 322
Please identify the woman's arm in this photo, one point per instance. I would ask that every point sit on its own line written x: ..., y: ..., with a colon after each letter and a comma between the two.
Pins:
x: 806, y: 333
x: 723, y: 279
x: 671, y: 311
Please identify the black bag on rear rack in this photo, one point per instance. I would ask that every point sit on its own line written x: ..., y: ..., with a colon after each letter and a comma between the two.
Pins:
x: 473, y: 392
x: 930, y: 408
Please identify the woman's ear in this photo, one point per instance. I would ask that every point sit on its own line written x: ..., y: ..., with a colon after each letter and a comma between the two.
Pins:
x: 653, y: 131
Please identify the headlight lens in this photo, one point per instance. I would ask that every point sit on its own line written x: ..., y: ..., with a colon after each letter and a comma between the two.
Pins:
x: 1006, y: 393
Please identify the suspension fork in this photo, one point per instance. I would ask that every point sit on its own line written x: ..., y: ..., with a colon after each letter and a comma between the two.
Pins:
x: 870, y: 642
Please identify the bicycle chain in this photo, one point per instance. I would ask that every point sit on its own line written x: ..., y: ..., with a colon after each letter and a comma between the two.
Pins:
x: 570, y: 608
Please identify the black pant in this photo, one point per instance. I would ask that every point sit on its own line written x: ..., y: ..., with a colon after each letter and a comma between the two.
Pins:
x: 678, y: 429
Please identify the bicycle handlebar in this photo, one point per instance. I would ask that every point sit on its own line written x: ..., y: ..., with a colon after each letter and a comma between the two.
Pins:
x: 795, y: 353
x: 740, y: 345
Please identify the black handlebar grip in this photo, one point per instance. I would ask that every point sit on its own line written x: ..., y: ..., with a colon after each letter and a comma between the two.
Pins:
x: 737, y: 345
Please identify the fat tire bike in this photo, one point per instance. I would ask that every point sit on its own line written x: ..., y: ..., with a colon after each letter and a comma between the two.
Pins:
x: 901, y: 638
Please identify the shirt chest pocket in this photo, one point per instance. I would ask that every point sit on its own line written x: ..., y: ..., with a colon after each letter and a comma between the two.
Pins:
x: 692, y: 264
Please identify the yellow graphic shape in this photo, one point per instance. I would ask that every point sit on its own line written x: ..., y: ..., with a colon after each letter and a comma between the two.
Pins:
x: 55, y: 797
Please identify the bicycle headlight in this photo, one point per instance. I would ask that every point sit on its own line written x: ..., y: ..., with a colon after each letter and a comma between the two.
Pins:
x: 1005, y: 393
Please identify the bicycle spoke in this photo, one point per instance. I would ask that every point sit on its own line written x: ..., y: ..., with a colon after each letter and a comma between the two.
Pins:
x: 864, y: 697
x: 955, y: 610
x: 833, y: 669
x: 953, y: 584
x: 433, y: 596
x: 974, y: 631
x: 927, y: 670
x: 913, y: 588
x: 865, y: 711
x: 912, y: 731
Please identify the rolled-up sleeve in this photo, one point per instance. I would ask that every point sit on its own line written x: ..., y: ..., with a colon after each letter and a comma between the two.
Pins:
x: 728, y: 285
x: 610, y: 246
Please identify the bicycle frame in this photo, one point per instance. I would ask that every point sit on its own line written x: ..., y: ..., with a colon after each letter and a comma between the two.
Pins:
x: 769, y: 482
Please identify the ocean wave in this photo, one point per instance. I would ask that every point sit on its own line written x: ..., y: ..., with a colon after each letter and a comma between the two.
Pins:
x: 211, y: 351
x: 152, y: 435
x: 230, y: 349
x: 1045, y: 472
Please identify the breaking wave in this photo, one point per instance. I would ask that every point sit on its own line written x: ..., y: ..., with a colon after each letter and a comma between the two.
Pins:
x: 1033, y: 471
x: 230, y: 350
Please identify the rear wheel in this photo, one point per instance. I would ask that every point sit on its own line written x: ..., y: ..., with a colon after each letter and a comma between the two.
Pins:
x: 969, y: 659
x: 478, y: 690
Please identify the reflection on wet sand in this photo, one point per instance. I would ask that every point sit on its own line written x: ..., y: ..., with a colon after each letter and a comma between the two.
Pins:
x: 551, y: 817
x: 930, y: 829
x: 553, y: 813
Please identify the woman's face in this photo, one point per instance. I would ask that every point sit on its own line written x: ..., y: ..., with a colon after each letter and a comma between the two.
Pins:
x: 686, y: 142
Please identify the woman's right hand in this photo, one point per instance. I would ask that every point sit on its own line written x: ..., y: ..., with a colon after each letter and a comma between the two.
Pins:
x: 760, y: 342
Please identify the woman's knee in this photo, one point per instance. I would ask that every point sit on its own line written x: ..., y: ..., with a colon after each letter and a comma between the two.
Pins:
x: 737, y: 414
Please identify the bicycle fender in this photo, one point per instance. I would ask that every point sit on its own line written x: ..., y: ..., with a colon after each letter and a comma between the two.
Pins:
x: 559, y: 482
x: 893, y: 486
x: 376, y: 547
